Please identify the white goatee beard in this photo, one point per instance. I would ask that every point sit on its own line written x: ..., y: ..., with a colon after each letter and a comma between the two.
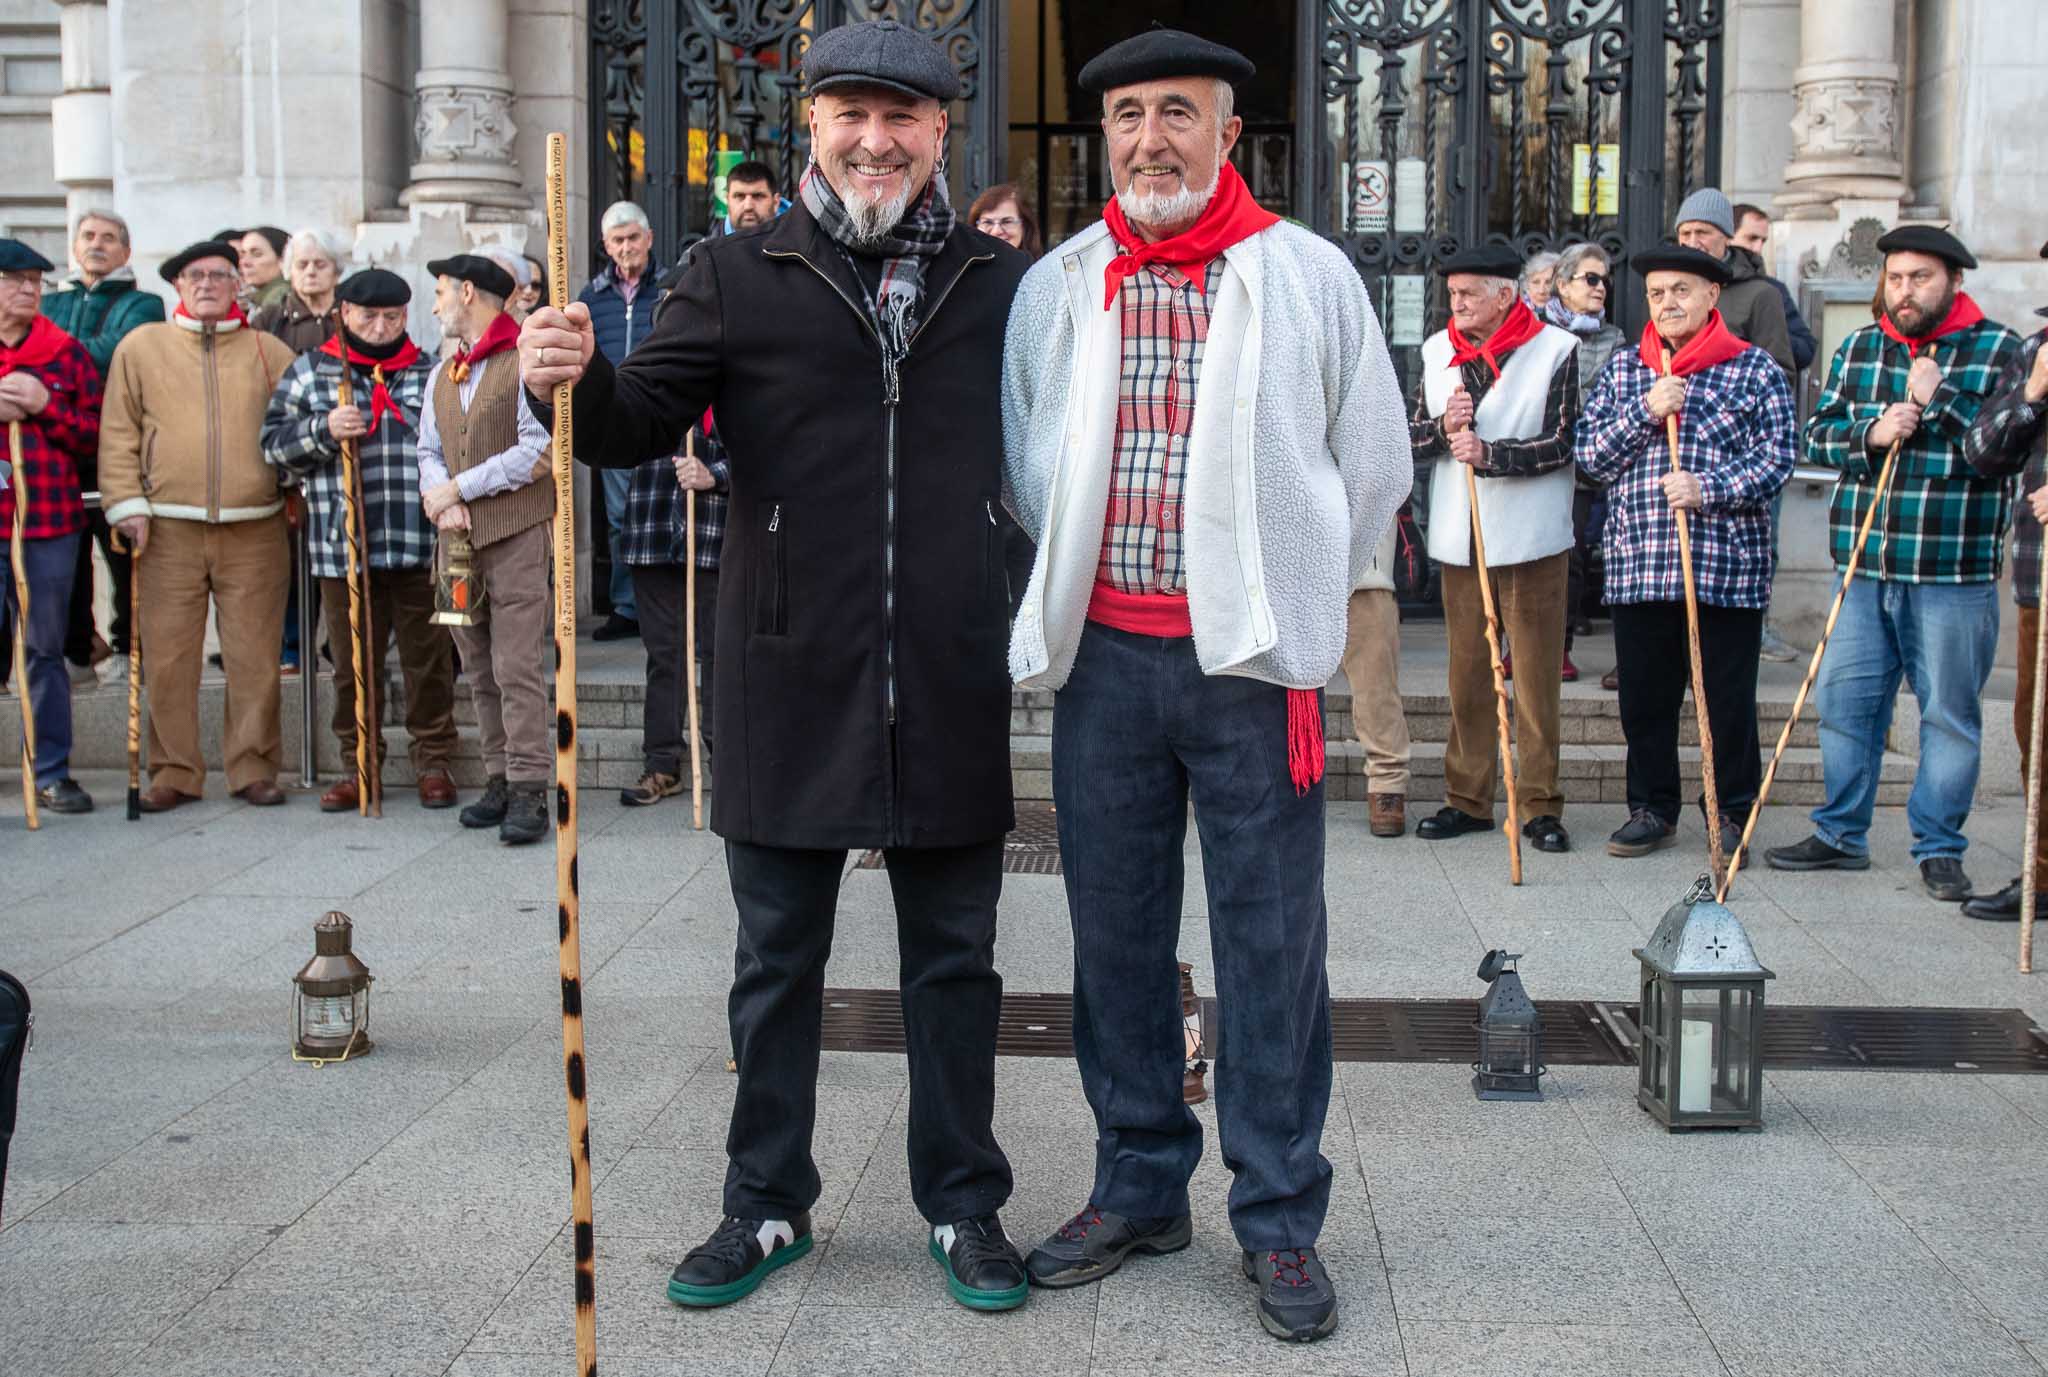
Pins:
x: 1174, y: 211
x: 873, y: 220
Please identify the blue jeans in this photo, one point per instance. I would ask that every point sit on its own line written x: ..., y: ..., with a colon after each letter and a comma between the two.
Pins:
x: 1939, y: 637
x: 1136, y: 730
x: 616, y: 482
x: 50, y: 563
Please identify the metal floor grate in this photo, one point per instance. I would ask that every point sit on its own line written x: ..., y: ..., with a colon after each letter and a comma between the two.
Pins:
x: 1822, y: 1038
x: 1032, y: 848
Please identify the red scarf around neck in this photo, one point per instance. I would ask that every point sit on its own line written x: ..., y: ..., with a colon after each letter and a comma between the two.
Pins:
x: 235, y: 313
x: 1520, y: 326
x: 1961, y: 316
x: 43, y: 342
x: 380, y: 396
x: 1714, y: 344
x: 1231, y: 215
x: 501, y: 334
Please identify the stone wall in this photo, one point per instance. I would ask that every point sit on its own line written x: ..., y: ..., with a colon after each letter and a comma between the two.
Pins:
x: 31, y: 75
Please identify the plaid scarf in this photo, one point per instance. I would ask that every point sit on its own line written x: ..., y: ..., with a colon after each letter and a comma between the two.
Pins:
x: 917, y: 238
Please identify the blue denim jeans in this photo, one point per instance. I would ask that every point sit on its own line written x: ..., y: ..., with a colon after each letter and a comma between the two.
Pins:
x: 616, y: 484
x: 1940, y: 638
x: 1137, y: 730
x: 49, y: 563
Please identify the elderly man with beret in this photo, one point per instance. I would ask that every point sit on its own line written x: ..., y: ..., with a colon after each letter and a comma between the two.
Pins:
x: 852, y: 353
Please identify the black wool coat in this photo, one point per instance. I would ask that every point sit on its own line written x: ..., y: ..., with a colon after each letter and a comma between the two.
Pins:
x: 863, y: 691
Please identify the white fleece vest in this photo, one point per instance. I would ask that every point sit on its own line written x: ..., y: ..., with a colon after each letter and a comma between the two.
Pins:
x: 1521, y: 518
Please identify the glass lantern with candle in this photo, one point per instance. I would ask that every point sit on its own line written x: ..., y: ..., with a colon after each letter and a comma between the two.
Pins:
x: 331, y: 997
x: 1510, y: 1065
x: 1702, y: 1017
x: 1194, y: 1087
x: 458, y: 592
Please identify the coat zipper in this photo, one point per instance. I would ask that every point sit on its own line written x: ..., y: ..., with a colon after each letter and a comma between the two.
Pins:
x: 212, y: 428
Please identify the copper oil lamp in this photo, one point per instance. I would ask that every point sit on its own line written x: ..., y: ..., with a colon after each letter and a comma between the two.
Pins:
x: 458, y: 592
x: 331, y: 997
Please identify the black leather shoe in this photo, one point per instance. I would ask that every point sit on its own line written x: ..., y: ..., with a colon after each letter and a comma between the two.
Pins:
x: 1944, y: 878
x: 1814, y: 854
x: 1546, y: 833
x: 738, y: 1257
x: 2002, y: 907
x: 983, y: 1271
x: 1450, y: 822
x: 489, y: 810
x: 616, y: 628
x: 65, y: 796
x: 1095, y: 1243
x: 526, y: 815
x: 1643, y: 833
x: 1296, y: 1300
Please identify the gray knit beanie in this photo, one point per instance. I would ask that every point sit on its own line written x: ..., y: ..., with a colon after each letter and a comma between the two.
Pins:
x: 1709, y: 206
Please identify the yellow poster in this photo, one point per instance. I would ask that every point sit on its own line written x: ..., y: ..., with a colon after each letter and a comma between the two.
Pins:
x: 1596, y: 179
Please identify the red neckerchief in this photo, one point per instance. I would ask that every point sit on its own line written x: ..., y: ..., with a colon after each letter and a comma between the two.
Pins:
x: 380, y: 396
x: 1518, y: 329
x: 1961, y: 316
x: 1715, y: 343
x: 43, y: 342
x: 501, y: 334
x: 235, y: 313
x: 1231, y: 215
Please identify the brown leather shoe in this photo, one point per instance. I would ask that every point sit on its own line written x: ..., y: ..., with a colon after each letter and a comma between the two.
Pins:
x: 1387, y: 814
x: 162, y: 798
x: 342, y: 796
x: 264, y: 793
x: 1611, y: 680
x: 437, y: 790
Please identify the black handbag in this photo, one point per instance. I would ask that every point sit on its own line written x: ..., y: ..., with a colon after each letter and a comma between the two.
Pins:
x: 17, y: 1029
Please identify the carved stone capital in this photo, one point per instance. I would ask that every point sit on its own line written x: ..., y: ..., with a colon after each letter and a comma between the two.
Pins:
x: 464, y: 124
x: 1846, y: 117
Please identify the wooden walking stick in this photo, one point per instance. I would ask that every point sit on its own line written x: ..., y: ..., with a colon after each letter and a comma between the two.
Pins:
x: 2028, y: 889
x: 1500, y: 680
x: 134, y: 683
x: 566, y: 899
x: 19, y: 481
x: 1692, y: 645
x: 358, y: 607
x: 1763, y: 793
x: 690, y: 639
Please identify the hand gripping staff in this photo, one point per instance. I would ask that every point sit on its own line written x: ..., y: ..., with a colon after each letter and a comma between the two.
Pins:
x: 1692, y: 639
x: 19, y: 479
x: 565, y: 788
x: 1500, y: 679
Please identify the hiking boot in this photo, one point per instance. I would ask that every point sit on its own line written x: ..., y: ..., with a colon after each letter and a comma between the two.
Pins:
x: 983, y: 1271
x: 526, y: 815
x: 1643, y: 833
x: 654, y: 786
x: 2002, y: 907
x: 1814, y: 854
x: 738, y: 1257
x: 65, y: 796
x: 1450, y: 822
x: 1546, y: 833
x: 1387, y: 814
x: 1296, y: 1300
x: 1944, y: 878
x: 489, y: 810
x: 1095, y: 1243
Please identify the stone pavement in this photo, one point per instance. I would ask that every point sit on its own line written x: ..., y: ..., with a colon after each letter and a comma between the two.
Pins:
x: 185, y: 1200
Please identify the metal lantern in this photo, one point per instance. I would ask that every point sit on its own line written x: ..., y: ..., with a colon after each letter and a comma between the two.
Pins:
x: 1702, y: 1018
x: 1510, y: 1065
x: 458, y: 592
x: 331, y: 997
x: 1195, y: 1040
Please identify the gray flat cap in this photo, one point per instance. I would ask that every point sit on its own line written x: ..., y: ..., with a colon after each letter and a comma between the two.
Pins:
x: 880, y: 53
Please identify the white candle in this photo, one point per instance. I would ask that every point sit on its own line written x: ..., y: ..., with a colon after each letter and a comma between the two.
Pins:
x: 1696, y: 1066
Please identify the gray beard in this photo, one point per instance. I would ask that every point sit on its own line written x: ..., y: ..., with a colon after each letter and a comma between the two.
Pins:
x: 1176, y: 211
x: 873, y: 221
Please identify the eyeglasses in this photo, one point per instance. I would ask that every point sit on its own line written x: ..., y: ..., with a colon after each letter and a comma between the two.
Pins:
x: 207, y: 277
x: 988, y: 224
x: 1601, y: 280
x: 23, y: 282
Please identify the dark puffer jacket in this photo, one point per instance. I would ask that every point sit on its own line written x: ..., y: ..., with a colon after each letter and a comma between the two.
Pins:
x: 1753, y: 309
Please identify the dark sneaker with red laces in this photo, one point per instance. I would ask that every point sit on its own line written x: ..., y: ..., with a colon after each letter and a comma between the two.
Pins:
x: 1095, y: 1243
x: 1296, y: 1300
x: 738, y: 1257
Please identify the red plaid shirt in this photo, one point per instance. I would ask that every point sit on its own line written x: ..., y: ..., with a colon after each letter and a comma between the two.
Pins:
x: 57, y: 444
x: 1165, y: 324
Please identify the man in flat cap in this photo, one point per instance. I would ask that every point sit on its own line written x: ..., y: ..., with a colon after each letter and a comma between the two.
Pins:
x: 2009, y: 437
x: 1203, y: 437
x: 182, y: 477
x: 482, y: 456
x: 1735, y: 439
x: 303, y: 434
x: 1499, y: 395
x: 50, y: 390
x: 1924, y: 604
x: 852, y: 354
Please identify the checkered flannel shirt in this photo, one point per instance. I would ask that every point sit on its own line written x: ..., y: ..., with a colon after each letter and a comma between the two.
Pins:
x: 296, y: 439
x: 653, y: 524
x: 2008, y: 437
x: 1735, y: 434
x: 58, y: 445
x: 1941, y: 522
x: 1165, y: 316
x: 1509, y: 457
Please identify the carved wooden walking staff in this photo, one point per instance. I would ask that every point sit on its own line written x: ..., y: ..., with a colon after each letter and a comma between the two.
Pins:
x: 565, y: 789
x: 690, y: 639
x: 1500, y: 681
x: 134, y: 683
x: 2028, y: 889
x: 19, y: 479
x: 368, y: 802
x: 1692, y: 645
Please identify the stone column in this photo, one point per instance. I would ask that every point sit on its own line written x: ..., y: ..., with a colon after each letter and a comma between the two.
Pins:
x: 82, y: 118
x: 463, y: 101
x: 1846, y: 90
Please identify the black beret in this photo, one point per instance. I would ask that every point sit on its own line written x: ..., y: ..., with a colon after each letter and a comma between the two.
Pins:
x: 17, y: 257
x: 1485, y: 260
x: 880, y: 53
x: 1929, y: 240
x: 373, y: 287
x: 1158, y: 53
x: 1677, y: 258
x: 485, y: 274
x: 205, y: 248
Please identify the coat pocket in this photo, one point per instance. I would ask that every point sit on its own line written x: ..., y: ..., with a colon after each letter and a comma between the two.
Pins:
x: 771, y: 578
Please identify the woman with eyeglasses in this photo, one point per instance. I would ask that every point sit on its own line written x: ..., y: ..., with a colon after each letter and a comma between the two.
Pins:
x: 1000, y: 212
x: 1578, y: 303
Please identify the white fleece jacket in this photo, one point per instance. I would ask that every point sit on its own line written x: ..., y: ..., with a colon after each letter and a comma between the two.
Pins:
x: 1297, y: 454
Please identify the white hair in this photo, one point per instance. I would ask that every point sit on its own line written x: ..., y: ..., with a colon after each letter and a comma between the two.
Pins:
x: 622, y: 213
x: 1185, y: 206
x: 1226, y: 102
x: 1539, y: 263
x: 95, y: 213
x: 513, y: 263
x: 318, y: 242
x: 1568, y: 262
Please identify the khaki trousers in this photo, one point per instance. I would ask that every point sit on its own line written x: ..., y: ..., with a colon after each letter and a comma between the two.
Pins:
x: 507, y: 659
x: 401, y: 605
x: 244, y: 567
x: 1372, y: 665
x: 2022, y: 725
x: 1530, y: 598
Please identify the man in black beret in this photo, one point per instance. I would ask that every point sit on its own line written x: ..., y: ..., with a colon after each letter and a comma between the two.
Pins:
x: 852, y: 355
x: 303, y: 431
x: 1923, y: 606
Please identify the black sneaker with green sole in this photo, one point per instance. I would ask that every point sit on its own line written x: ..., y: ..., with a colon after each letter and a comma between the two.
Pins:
x: 983, y: 1270
x: 737, y: 1258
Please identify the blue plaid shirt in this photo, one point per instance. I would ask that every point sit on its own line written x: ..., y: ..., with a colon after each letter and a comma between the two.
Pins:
x: 1735, y: 434
x: 653, y: 524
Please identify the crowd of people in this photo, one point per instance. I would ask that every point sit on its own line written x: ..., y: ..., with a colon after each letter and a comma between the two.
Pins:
x: 1160, y: 463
